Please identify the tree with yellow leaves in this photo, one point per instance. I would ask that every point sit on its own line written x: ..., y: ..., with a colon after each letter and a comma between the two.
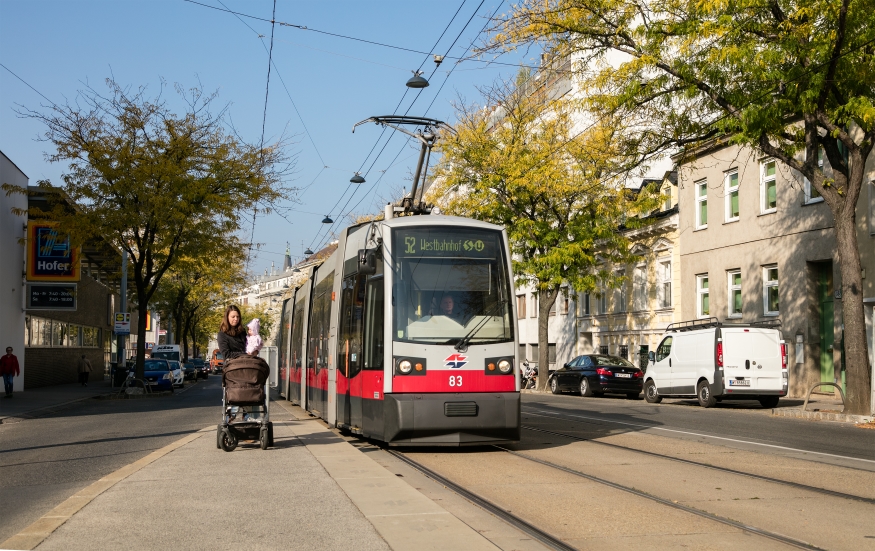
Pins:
x: 527, y: 161
x: 787, y: 77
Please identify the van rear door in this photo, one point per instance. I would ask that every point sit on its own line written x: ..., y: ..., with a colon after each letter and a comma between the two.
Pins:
x: 751, y: 359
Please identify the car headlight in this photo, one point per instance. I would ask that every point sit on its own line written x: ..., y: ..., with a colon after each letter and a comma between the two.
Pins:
x: 404, y: 366
x: 504, y: 366
x: 168, y: 376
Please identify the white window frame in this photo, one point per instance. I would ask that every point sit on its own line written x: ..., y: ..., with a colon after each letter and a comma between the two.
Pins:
x: 808, y: 186
x: 729, y: 190
x: 523, y: 301
x: 730, y: 303
x: 768, y: 284
x: 700, y: 294
x: 585, y: 304
x: 699, y: 200
x: 667, y: 204
x: 663, y: 268
x: 764, y: 185
x: 603, y: 303
x: 639, y: 288
x: 621, y: 307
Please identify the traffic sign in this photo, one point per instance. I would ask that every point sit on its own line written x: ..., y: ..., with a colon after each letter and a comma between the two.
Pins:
x: 122, y: 323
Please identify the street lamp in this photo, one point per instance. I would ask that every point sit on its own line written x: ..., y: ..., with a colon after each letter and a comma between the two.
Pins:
x: 357, y: 179
x: 417, y: 81
x: 308, y: 252
x: 327, y: 220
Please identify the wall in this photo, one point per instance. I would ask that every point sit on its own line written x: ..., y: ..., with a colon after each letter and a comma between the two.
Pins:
x: 12, y: 266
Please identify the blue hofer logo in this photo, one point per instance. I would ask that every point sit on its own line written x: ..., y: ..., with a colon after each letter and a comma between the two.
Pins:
x: 53, y: 255
x: 456, y: 361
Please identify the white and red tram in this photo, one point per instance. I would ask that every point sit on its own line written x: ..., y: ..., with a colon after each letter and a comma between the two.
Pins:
x: 406, y: 334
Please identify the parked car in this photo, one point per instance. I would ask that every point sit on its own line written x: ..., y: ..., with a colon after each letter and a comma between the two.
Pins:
x: 190, y: 371
x: 714, y: 361
x: 201, y: 367
x: 178, y: 373
x: 596, y: 374
x: 158, y: 374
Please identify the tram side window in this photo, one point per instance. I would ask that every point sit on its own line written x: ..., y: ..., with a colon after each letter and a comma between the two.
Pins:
x: 373, y: 324
x: 297, y: 333
x: 320, y: 321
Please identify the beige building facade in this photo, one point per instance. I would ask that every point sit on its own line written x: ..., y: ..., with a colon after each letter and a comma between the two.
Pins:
x: 758, y: 244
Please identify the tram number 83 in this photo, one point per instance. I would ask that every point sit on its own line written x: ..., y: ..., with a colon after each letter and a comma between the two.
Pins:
x: 455, y: 380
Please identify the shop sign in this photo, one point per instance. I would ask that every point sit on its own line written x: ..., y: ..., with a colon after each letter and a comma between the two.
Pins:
x: 122, y: 323
x: 51, y: 296
x: 49, y: 254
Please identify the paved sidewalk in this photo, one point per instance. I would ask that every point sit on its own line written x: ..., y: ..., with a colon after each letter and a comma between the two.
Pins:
x: 25, y: 403
x: 311, y: 491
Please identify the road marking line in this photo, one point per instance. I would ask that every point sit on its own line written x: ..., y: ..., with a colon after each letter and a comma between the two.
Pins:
x: 38, y: 531
x: 697, y: 434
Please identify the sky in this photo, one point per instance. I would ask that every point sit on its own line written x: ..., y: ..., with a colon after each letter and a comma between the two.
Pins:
x: 320, y: 85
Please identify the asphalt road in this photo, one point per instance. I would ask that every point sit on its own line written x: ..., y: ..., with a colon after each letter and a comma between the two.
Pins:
x: 45, y: 460
x: 743, y: 425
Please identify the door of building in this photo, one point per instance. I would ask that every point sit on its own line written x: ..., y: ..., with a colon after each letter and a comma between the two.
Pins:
x: 827, y: 322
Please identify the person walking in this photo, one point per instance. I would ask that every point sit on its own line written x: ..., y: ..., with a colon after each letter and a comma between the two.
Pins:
x: 9, y: 369
x: 84, y: 369
x: 232, y: 343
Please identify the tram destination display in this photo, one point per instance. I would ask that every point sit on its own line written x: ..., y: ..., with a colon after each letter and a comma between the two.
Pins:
x: 48, y: 296
x: 446, y: 242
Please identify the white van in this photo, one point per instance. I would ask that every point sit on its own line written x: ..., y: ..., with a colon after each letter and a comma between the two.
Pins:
x: 167, y: 352
x: 716, y: 361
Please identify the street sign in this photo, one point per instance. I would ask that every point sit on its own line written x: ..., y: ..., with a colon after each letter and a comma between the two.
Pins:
x: 51, y: 296
x: 122, y: 323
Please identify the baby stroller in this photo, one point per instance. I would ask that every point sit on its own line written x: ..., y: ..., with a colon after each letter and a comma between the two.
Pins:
x: 244, y: 391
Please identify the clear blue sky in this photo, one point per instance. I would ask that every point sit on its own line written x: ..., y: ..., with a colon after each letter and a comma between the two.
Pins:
x: 58, y: 47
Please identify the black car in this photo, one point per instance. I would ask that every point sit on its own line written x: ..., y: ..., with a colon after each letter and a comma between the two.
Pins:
x: 595, y: 374
x: 189, y: 371
x: 202, y: 367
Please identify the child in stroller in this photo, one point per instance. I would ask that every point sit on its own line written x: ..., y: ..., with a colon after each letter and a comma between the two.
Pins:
x: 244, y: 383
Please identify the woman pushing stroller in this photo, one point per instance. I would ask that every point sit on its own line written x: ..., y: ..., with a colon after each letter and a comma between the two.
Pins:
x: 244, y: 382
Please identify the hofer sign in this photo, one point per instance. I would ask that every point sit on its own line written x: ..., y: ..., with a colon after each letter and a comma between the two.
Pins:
x: 49, y: 254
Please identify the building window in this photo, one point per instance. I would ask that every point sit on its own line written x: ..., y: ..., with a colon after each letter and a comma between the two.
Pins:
x: 534, y: 312
x: 521, y: 306
x: 603, y: 303
x: 535, y: 357
x: 523, y: 356
x: 664, y: 284
x: 639, y: 288
x: 603, y: 349
x: 563, y: 303
x: 703, y: 305
x: 769, y: 187
x: 624, y: 351
x: 735, y: 302
x: 770, y: 291
x: 732, y: 210
x: 702, y: 205
x: 584, y: 304
x: 666, y: 192
x: 811, y: 193
x: 551, y: 353
x: 621, y: 292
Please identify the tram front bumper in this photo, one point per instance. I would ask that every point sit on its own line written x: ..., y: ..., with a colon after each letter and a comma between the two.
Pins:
x: 452, y: 419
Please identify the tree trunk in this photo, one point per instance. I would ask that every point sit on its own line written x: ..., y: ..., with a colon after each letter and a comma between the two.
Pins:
x: 142, y: 310
x: 546, y: 299
x: 855, y: 357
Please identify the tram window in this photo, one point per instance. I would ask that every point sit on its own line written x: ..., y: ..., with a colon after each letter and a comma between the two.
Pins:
x: 373, y: 324
x: 448, y: 281
x: 349, y: 344
x: 297, y: 332
x: 320, y: 321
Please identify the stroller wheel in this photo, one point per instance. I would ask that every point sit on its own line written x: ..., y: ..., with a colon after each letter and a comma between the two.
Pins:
x: 270, y: 433
x: 263, y: 438
x: 229, y: 441
x: 219, y: 437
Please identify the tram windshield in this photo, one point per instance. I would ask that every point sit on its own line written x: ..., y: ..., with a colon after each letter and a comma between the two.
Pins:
x: 448, y: 282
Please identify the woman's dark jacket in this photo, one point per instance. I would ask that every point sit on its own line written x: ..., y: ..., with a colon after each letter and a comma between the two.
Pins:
x: 232, y: 347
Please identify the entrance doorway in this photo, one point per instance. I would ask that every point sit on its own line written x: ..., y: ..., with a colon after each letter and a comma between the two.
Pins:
x: 827, y: 321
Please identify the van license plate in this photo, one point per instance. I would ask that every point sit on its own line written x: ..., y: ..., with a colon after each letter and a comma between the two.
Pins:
x: 625, y: 375
x: 736, y: 382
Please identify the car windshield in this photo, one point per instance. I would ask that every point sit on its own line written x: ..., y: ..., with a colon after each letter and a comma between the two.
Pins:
x: 157, y: 366
x: 174, y: 365
x: 611, y: 360
x: 219, y: 357
x: 449, y: 281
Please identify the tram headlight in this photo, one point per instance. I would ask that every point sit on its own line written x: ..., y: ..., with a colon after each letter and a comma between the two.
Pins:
x: 404, y: 366
x: 504, y: 366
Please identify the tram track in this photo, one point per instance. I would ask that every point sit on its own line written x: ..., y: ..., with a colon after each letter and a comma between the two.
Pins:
x: 669, y: 503
x: 797, y: 485
x: 541, y: 536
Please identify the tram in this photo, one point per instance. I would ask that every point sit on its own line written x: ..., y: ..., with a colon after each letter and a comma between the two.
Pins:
x: 406, y: 334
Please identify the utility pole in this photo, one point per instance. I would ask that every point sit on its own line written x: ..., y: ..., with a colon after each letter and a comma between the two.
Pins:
x: 120, y: 356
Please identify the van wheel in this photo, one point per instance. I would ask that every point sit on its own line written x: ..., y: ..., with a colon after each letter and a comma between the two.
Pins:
x: 650, y: 393
x: 585, y: 389
x: 769, y: 402
x: 554, y: 386
x: 703, y: 392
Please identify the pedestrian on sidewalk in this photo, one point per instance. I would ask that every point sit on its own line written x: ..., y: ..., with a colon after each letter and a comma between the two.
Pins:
x: 9, y: 369
x: 232, y: 340
x: 84, y: 369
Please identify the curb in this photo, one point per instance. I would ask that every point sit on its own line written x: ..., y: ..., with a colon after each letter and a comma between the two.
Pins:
x: 822, y: 416
x: 37, y: 532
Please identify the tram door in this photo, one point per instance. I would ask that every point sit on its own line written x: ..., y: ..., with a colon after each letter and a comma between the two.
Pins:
x: 349, y: 352
x: 317, y: 346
